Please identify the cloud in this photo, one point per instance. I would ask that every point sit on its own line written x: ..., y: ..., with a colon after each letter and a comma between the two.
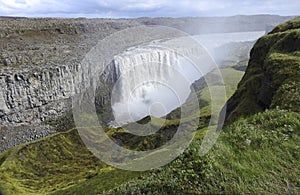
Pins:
x: 132, y: 5
x: 150, y: 8
x: 19, y: 7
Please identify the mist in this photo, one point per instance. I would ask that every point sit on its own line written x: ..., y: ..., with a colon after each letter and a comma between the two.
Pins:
x: 155, y: 81
x: 221, y: 45
x: 161, y: 89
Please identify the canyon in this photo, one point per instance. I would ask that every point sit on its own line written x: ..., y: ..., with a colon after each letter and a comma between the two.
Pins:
x: 42, y: 64
x: 257, y: 150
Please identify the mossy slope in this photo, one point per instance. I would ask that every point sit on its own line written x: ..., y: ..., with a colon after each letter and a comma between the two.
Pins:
x: 272, y: 78
x: 256, y: 155
x: 47, y: 164
x: 55, y: 163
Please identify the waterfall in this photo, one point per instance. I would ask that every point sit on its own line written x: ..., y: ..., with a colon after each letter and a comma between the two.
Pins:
x: 153, y: 80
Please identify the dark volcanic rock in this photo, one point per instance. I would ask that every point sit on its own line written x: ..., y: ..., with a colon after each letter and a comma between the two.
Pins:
x: 15, y: 135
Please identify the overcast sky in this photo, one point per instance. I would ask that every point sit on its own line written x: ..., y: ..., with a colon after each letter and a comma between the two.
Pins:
x: 150, y: 8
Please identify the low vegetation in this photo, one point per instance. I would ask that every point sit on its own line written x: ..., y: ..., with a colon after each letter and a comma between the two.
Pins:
x: 273, y: 74
x: 254, y: 155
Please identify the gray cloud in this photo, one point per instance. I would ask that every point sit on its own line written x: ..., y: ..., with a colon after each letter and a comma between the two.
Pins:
x: 150, y: 8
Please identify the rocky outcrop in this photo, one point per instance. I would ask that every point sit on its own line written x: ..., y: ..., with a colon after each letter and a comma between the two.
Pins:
x: 11, y: 136
x: 272, y: 78
x: 30, y: 97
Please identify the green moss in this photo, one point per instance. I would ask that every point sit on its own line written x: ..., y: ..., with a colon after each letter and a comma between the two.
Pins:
x: 105, y: 180
x: 256, y: 155
x: 61, y: 161
x: 288, y: 96
x: 274, y: 68
x: 48, y: 164
x: 292, y: 24
x: 63, y: 123
x: 3, y: 156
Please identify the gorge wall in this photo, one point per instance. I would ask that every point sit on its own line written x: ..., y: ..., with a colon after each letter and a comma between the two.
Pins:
x: 32, y: 97
x: 42, y: 93
x: 41, y: 60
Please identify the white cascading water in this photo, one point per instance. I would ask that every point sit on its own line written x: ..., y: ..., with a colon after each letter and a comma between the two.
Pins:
x: 155, y: 79
x: 152, y: 81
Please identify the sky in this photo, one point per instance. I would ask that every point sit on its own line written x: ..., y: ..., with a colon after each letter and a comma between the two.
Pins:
x: 143, y: 8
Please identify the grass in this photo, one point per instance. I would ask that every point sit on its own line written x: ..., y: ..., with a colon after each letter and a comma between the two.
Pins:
x: 255, y: 155
x: 106, y: 180
x: 47, y: 164
x: 292, y: 24
x: 231, y: 77
x: 272, y: 72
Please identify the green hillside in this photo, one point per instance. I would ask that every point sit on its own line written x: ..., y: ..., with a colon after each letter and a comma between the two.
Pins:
x: 256, y: 155
x: 272, y: 78
x: 61, y: 164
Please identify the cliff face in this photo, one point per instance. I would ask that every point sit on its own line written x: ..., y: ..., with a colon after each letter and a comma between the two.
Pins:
x: 42, y: 93
x: 31, y: 96
x: 272, y: 78
x: 39, y: 62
